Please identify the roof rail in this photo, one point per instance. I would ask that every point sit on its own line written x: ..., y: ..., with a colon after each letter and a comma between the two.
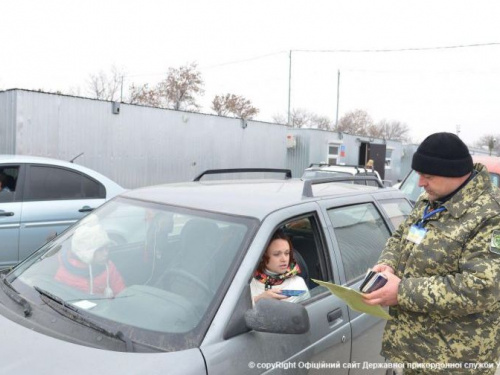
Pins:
x: 353, y: 166
x: 308, y: 193
x: 287, y: 172
x: 320, y: 164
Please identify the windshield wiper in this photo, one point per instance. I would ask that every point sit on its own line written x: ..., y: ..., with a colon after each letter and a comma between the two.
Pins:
x: 55, y: 298
x: 70, y: 311
x: 15, y: 296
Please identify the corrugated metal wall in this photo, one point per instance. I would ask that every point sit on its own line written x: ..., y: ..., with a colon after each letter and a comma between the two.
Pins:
x: 144, y: 146
x: 312, y: 147
x: 141, y: 145
x: 7, y: 122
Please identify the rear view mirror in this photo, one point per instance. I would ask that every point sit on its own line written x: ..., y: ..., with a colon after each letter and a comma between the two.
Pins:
x: 275, y: 316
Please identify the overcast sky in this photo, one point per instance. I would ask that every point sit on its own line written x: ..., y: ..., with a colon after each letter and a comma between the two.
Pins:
x: 242, y: 47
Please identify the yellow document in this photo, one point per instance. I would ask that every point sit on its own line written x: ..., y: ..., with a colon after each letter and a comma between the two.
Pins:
x: 354, y: 300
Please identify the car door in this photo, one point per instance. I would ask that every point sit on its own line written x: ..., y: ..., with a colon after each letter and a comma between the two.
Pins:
x: 54, y: 198
x: 10, y: 215
x: 328, y: 340
x: 359, y: 231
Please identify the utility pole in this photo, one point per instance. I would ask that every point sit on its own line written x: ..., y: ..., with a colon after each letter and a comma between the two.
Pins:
x: 289, y: 85
x: 338, y: 99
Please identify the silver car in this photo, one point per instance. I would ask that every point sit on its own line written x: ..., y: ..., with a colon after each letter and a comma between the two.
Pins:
x: 175, y: 295
x: 322, y: 170
x: 42, y: 198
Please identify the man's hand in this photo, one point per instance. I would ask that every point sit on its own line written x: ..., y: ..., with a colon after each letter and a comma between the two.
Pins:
x: 383, y: 268
x: 388, y: 294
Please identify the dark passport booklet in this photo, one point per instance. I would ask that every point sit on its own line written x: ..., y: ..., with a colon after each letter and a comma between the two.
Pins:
x: 373, y: 281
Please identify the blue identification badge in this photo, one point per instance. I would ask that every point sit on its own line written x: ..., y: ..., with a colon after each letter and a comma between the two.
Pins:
x: 417, y: 231
x: 416, y: 234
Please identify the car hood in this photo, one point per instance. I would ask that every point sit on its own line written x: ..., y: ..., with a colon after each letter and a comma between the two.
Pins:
x: 27, y: 352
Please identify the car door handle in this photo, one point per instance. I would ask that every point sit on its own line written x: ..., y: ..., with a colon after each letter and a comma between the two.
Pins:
x: 86, y: 209
x: 3, y: 213
x: 334, y: 315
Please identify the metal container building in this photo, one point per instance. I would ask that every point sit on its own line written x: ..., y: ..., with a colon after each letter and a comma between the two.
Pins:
x: 139, y: 145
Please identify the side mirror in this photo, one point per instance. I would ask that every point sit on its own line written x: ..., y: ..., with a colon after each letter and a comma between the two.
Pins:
x: 269, y: 315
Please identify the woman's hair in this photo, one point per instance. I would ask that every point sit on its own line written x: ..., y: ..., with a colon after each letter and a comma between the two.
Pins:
x: 278, y: 235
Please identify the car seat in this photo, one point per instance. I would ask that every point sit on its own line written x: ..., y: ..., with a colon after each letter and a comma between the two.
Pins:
x: 10, y: 182
x: 188, y: 274
x: 304, y: 270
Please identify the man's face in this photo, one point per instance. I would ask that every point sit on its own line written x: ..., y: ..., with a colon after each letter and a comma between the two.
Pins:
x: 438, y: 186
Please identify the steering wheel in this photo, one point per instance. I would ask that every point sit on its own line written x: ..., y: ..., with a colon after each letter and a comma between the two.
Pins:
x: 184, y: 275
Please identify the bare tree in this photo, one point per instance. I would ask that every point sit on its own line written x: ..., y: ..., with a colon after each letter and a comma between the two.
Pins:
x: 142, y: 94
x: 490, y: 141
x: 105, y: 86
x: 231, y: 104
x: 357, y: 122
x: 301, y: 118
x: 393, y: 129
x: 278, y: 118
x: 322, y: 122
x: 373, y: 131
x: 75, y: 91
x: 179, y: 89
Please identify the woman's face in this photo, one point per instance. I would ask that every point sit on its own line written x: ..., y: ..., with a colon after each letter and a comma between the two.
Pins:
x: 279, y: 256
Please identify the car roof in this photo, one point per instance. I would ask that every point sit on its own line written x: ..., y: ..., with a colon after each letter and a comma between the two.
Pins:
x: 349, y: 170
x: 27, y: 159
x: 255, y: 198
x: 492, y: 163
x: 352, y: 169
x: 6, y: 158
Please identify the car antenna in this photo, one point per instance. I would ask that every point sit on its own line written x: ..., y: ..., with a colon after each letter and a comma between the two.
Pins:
x: 76, y: 157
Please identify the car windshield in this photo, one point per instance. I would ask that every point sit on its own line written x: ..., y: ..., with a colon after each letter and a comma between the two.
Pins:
x: 141, y: 266
x: 410, y: 185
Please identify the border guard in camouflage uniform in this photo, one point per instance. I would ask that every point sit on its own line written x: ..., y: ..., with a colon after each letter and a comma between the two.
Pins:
x: 443, y: 268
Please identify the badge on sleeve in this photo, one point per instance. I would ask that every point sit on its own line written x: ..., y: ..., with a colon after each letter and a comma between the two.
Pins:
x: 495, y: 242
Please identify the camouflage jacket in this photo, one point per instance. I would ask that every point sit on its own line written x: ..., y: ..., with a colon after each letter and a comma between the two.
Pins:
x: 448, y: 300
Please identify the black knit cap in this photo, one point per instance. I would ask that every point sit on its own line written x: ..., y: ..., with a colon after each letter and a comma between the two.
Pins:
x: 442, y: 154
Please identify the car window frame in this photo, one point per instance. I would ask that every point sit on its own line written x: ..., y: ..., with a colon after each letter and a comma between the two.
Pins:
x: 382, y: 216
x: 323, y: 255
x: 19, y: 192
x: 326, y: 204
x: 27, y: 183
x: 380, y: 202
